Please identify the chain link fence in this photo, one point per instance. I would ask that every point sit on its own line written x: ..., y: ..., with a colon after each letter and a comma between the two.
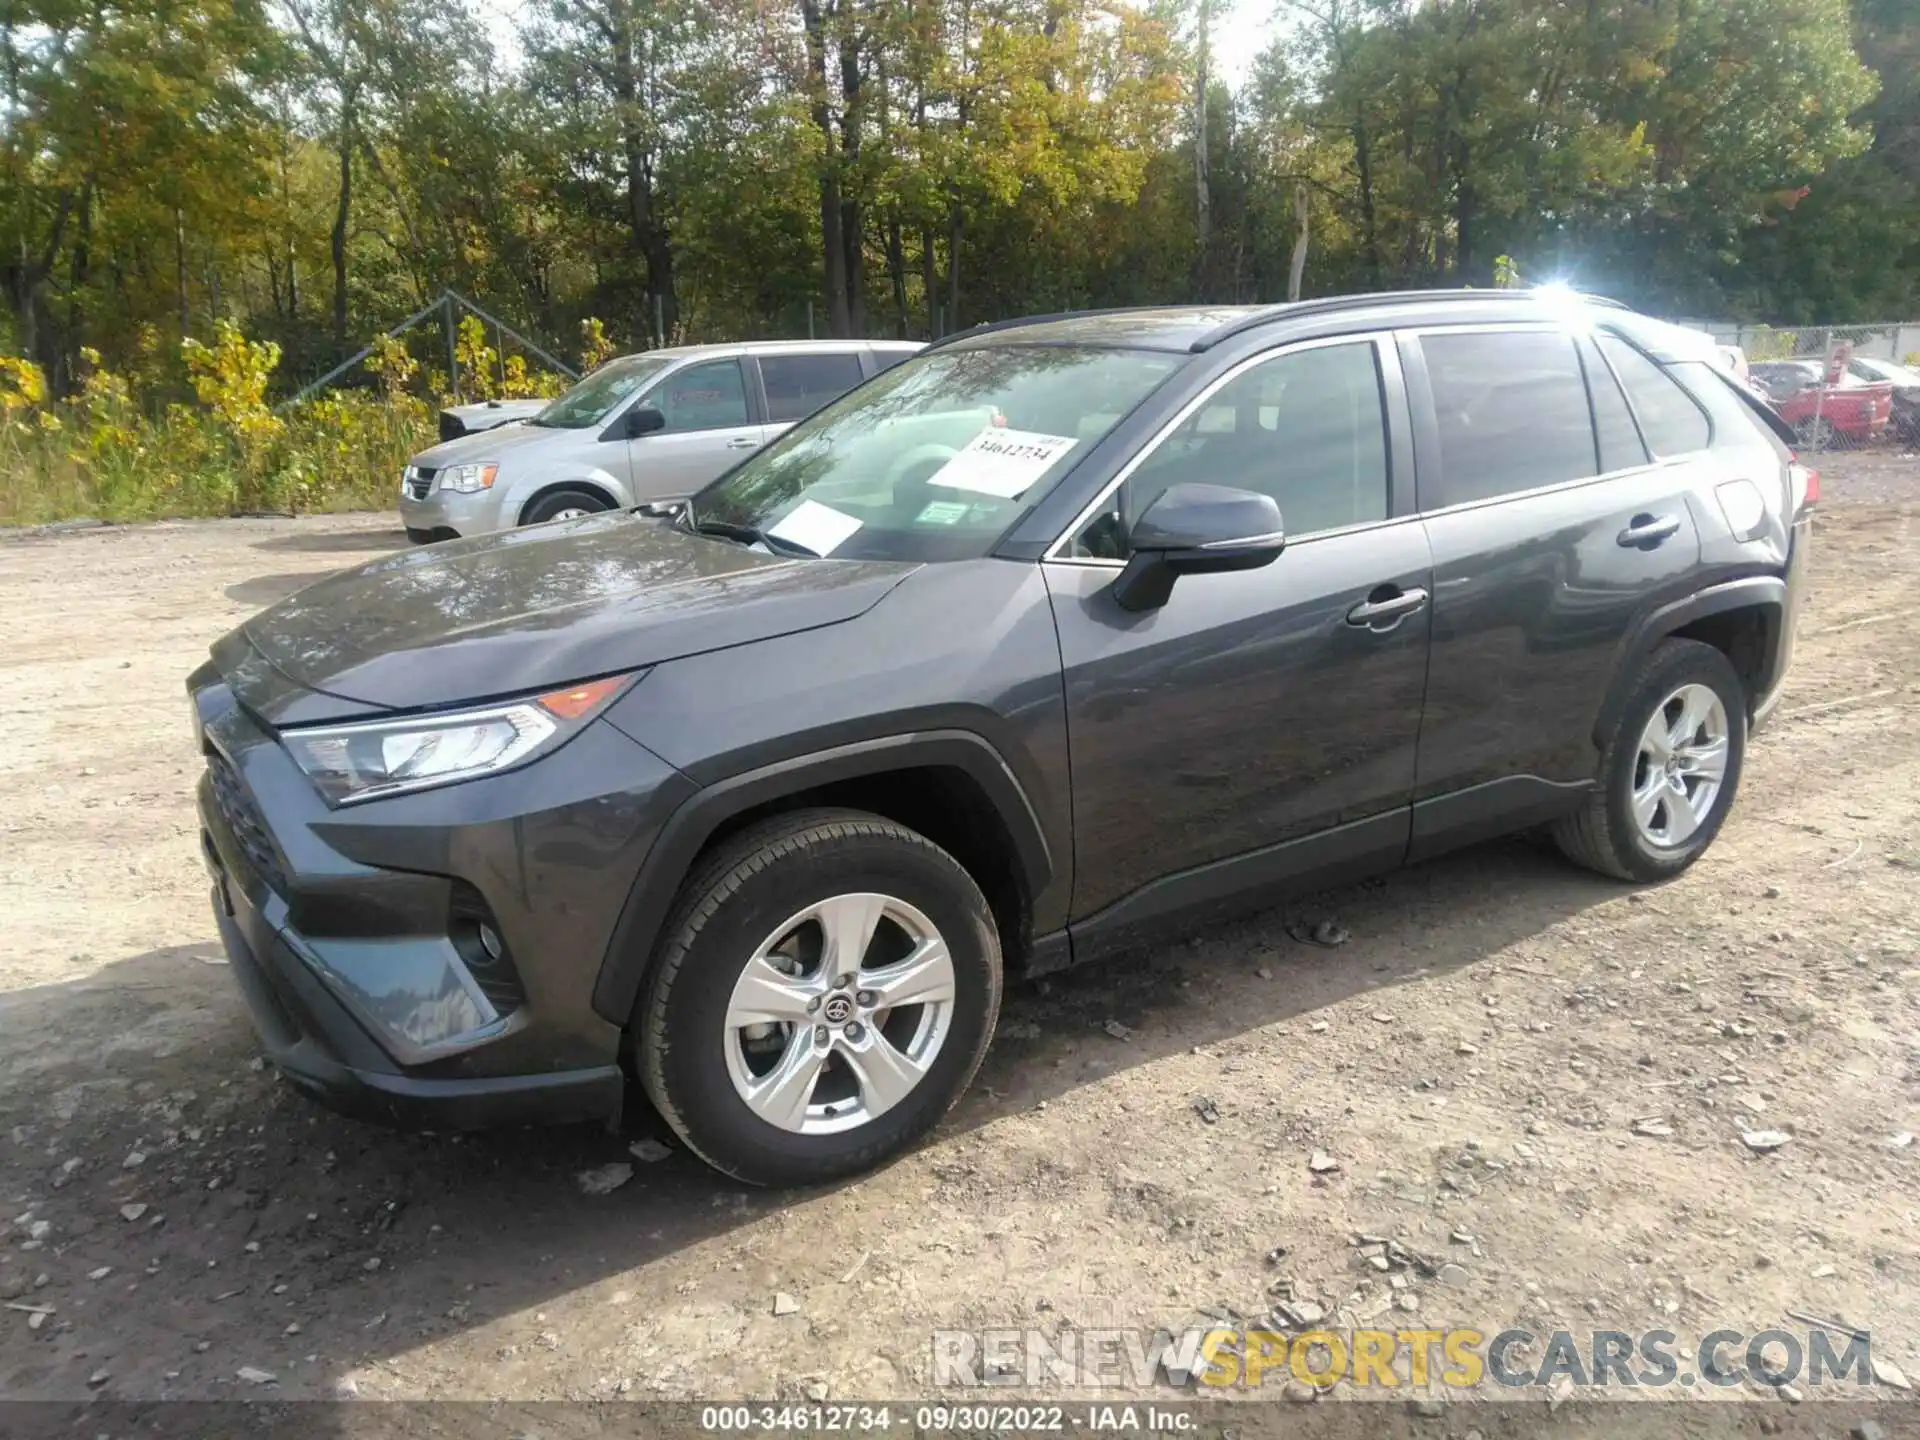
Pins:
x: 1841, y: 387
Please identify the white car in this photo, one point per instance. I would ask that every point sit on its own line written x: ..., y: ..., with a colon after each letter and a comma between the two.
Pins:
x: 650, y: 427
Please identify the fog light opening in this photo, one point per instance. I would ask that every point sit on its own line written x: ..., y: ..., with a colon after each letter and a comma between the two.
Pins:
x: 483, y: 949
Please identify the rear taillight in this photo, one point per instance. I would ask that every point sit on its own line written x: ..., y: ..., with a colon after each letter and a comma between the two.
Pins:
x: 1805, y: 482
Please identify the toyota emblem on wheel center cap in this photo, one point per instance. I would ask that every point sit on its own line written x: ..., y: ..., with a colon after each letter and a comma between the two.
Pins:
x: 837, y: 1010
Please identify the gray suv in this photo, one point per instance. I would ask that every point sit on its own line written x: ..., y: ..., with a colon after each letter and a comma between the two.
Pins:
x: 651, y: 427
x: 1058, y: 637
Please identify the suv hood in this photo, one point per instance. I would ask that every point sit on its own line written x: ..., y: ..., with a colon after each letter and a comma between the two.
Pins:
x: 527, y: 610
x: 491, y: 444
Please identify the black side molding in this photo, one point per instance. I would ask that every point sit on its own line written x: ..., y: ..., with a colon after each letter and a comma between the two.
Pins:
x: 1255, y: 880
x: 1767, y: 593
x: 694, y: 823
x: 1494, y: 807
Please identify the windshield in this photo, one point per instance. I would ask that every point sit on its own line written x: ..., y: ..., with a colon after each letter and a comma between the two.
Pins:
x: 595, y: 397
x: 934, y: 459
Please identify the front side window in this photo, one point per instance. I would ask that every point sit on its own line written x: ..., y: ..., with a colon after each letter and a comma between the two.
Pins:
x: 707, y: 396
x: 798, y: 385
x: 1307, y: 428
x: 935, y: 458
x: 597, y: 396
x: 1511, y: 407
x: 1672, y: 423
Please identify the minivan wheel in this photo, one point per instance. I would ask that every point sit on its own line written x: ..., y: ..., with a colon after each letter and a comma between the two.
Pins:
x: 826, y: 990
x: 1668, y: 772
x: 563, y: 505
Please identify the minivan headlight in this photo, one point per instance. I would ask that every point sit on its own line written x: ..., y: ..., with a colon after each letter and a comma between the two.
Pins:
x: 372, y: 758
x: 468, y: 479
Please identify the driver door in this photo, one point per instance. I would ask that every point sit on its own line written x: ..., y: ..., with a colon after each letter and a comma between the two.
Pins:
x: 1259, y: 728
x: 710, y: 428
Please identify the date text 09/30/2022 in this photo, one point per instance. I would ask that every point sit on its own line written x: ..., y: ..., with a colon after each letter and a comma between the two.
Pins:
x: 937, y: 1419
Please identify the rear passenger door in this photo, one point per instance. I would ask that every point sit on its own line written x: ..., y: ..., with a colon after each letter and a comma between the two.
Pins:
x: 798, y: 385
x: 1554, y: 531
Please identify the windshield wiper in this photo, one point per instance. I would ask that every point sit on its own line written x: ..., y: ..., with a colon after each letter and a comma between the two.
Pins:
x: 748, y: 535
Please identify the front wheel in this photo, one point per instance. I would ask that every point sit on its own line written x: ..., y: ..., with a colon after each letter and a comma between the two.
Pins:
x: 1669, y: 771
x: 828, y: 986
x: 563, y: 505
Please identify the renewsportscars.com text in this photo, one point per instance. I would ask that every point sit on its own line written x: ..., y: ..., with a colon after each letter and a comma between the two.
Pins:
x: 1458, y: 1358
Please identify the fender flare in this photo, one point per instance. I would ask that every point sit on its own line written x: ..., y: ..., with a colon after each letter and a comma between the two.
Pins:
x: 1766, y: 593
x: 687, y: 830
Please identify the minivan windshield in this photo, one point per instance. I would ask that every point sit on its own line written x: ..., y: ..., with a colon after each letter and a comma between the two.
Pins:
x: 595, y: 397
x: 934, y: 459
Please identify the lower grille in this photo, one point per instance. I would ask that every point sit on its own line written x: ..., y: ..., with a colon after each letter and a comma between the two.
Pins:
x: 237, y: 809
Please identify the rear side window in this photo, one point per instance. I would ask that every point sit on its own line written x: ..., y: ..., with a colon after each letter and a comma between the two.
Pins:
x: 1512, y: 413
x: 1669, y: 418
x: 798, y: 385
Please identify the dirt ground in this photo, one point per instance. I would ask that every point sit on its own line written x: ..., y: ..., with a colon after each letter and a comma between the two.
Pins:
x: 1475, y: 1059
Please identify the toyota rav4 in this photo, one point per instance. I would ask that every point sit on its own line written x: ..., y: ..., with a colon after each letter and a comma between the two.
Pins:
x: 1061, y: 635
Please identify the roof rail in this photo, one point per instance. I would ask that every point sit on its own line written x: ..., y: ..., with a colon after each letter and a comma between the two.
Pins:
x: 987, y: 327
x: 1358, y: 302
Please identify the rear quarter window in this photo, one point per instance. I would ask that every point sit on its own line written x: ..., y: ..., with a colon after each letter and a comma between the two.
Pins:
x: 1671, y: 421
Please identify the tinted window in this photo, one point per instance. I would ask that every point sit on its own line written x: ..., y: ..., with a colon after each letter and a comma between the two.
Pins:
x: 798, y: 385
x: 702, y: 397
x: 1670, y: 420
x: 1620, y: 447
x: 1512, y: 413
x: 1305, y: 428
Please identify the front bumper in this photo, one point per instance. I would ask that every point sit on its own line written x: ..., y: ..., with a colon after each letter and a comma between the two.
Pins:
x: 344, y: 927
x: 446, y: 514
x: 310, y: 1038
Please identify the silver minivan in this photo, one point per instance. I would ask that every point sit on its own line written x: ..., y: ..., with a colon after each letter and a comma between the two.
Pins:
x: 649, y: 427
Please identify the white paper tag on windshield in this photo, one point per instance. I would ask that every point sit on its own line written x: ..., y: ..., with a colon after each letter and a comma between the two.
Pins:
x: 1002, y: 462
x: 815, y: 527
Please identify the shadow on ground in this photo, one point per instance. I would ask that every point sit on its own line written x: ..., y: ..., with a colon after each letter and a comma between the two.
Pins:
x: 334, y: 542
x: 381, y: 1242
x: 266, y: 589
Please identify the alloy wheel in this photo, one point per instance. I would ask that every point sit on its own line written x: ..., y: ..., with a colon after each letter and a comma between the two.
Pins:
x: 839, y: 1014
x: 1681, y: 764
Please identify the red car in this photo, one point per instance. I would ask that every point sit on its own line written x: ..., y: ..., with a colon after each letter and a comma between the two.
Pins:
x: 1844, y: 411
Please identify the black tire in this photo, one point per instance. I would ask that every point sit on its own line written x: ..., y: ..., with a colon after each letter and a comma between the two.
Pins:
x: 1602, y: 835
x: 422, y: 537
x: 551, y: 504
x: 736, y: 894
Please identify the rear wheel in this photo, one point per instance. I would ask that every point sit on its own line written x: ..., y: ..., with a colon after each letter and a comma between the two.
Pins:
x: 1816, y: 432
x: 828, y: 986
x: 564, y: 505
x: 1668, y: 772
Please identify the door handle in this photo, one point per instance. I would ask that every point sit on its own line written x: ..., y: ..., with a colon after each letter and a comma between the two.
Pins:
x: 743, y: 442
x: 1388, y: 610
x: 1649, y: 530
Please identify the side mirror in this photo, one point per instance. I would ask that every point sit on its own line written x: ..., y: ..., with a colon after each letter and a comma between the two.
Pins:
x: 644, y: 420
x: 1196, y: 530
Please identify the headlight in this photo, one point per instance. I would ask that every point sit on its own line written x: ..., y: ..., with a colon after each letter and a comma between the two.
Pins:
x: 468, y: 479
x: 350, y: 763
